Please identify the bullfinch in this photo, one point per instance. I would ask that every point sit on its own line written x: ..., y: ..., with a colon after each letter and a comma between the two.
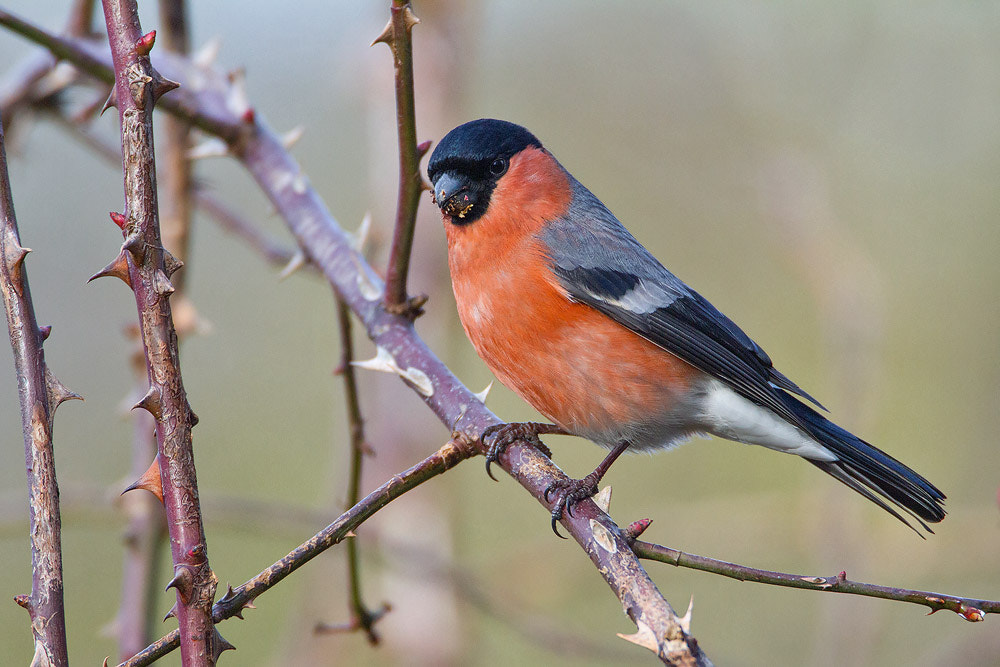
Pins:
x: 571, y: 312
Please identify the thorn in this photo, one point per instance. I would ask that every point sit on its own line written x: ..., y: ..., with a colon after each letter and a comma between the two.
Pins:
x: 382, y: 361
x: 22, y: 601
x: 119, y: 219
x: 297, y: 261
x: 18, y: 255
x: 170, y: 614
x: 842, y: 577
x: 350, y: 533
x: 151, y: 402
x: 162, y: 284
x: 57, y: 391
x: 105, y: 663
x: 209, y: 148
x: 219, y: 644
x: 484, y: 393
x: 409, y: 19
x: 207, y: 54
x: 145, y: 43
x: 237, y: 101
x: 112, y: 101
x: 135, y: 245
x: 194, y: 417
x: 422, y: 149
x: 385, y: 36
x: 183, y: 581
x: 150, y: 480
x: 361, y: 235
x: 248, y: 115
x: 603, y: 499
x: 45, y: 332
x: 637, y: 528
x: 118, y: 268
x: 290, y: 138
x: 644, y: 637
x: 230, y: 594
x: 170, y: 263
x: 162, y: 85
x: 685, y: 620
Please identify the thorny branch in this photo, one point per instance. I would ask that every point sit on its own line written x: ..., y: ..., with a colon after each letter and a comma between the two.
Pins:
x: 397, y: 36
x: 362, y: 618
x: 968, y: 608
x: 146, y: 267
x: 40, y: 393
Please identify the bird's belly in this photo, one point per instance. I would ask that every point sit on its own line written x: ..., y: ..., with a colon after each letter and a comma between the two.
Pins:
x: 579, y: 368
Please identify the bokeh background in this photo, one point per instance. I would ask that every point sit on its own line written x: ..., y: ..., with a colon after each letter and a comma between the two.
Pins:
x: 826, y: 174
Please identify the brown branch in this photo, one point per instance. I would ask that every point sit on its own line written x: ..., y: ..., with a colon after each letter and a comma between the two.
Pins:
x: 243, y: 597
x: 968, y: 608
x: 40, y: 393
x: 362, y: 618
x: 148, y: 268
x: 398, y: 38
x: 175, y: 166
x: 147, y: 528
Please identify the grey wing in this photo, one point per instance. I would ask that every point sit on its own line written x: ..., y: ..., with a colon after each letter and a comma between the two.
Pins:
x: 601, y: 264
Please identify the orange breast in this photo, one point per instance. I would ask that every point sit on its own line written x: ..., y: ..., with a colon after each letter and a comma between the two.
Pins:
x: 576, y: 366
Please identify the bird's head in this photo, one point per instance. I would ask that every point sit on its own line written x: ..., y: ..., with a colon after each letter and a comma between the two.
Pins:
x: 470, y: 161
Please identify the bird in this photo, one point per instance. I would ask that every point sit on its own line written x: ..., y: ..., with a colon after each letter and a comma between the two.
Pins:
x: 577, y: 317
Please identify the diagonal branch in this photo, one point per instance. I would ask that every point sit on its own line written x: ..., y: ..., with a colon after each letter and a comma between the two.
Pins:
x: 968, y: 608
x: 40, y: 394
x: 238, y: 599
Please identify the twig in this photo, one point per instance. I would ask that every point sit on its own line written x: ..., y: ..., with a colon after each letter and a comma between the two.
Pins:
x: 362, y: 618
x: 242, y: 597
x: 148, y: 268
x: 398, y: 38
x: 968, y: 608
x: 224, y: 215
x: 230, y: 221
x: 40, y: 393
x: 175, y: 166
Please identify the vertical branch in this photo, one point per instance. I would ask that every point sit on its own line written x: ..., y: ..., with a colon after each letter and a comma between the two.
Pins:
x: 146, y: 528
x: 147, y: 268
x: 40, y: 394
x: 398, y: 38
x: 175, y: 213
x: 361, y: 617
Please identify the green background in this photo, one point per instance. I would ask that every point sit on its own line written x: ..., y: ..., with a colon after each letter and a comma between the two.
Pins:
x: 826, y: 174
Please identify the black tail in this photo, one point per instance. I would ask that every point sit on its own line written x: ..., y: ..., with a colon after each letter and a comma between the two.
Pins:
x: 870, y: 471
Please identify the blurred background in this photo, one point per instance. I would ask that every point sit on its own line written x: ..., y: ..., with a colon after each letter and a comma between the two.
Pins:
x: 826, y: 174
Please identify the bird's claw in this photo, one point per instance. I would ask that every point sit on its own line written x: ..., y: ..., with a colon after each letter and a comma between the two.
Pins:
x: 568, y: 492
x: 504, y: 435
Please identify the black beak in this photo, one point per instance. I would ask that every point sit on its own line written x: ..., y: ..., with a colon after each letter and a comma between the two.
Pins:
x: 452, y: 194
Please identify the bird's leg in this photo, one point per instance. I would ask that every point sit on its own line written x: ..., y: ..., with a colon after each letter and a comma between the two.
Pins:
x: 505, y: 435
x: 571, y: 491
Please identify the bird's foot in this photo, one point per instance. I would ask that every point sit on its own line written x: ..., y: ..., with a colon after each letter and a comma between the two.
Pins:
x: 567, y: 493
x: 504, y: 435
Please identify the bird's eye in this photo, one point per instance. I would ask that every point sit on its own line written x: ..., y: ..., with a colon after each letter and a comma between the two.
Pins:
x: 498, y: 166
